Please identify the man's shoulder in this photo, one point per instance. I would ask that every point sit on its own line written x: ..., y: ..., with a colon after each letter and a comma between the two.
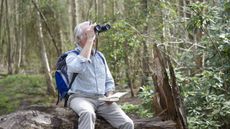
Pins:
x: 100, y: 53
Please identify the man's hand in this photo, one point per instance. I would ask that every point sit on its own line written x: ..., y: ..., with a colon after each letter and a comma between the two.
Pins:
x: 90, y: 33
x: 107, y: 95
x: 88, y: 41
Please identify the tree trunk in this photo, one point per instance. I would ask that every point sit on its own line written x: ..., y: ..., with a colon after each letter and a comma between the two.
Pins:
x: 181, y: 119
x: 18, y: 37
x: 128, y: 70
x: 170, y: 102
x: 71, y: 36
x: 59, y: 32
x: 9, y: 48
x: 1, y: 37
x: 145, y: 58
x: 100, y: 16
x: 73, y: 14
x: 44, y: 58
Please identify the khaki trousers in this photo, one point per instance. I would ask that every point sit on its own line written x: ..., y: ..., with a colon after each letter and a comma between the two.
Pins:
x: 88, y: 108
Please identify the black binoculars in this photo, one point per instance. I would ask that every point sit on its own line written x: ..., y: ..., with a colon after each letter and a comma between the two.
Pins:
x: 101, y: 28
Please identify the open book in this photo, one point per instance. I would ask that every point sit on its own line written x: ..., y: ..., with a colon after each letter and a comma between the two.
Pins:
x: 114, y: 97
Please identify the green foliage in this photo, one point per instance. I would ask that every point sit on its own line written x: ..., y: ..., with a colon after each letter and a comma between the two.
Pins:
x: 121, y: 44
x: 22, y: 90
x: 202, y: 16
x: 217, y: 44
x: 137, y: 110
x: 206, y: 94
x: 130, y: 108
x: 146, y: 96
x: 206, y: 100
x: 144, y: 110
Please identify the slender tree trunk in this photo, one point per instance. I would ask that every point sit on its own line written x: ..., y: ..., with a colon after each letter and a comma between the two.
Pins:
x: 145, y: 59
x: 1, y: 37
x: 128, y: 70
x: 78, y: 11
x: 1, y: 13
x: 9, y: 48
x: 45, y: 62
x: 24, y: 39
x: 71, y: 37
x: 113, y: 8
x: 100, y: 9
x: 59, y: 32
x: 18, y: 37
x: 73, y: 14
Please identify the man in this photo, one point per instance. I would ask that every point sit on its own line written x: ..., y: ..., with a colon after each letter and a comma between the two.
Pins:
x: 93, y: 81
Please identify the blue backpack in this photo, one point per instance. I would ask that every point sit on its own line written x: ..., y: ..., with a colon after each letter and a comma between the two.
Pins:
x: 63, y: 84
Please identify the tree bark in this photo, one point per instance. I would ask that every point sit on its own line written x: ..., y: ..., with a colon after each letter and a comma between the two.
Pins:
x: 41, y: 117
x: 128, y: 70
x: 44, y: 58
x: 170, y: 102
x: 145, y: 58
x: 100, y: 9
x: 18, y: 37
x: 73, y: 14
x: 71, y: 36
x: 1, y: 37
x: 9, y: 47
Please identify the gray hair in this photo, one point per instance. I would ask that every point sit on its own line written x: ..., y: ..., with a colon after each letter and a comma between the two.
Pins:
x: 78, y: 31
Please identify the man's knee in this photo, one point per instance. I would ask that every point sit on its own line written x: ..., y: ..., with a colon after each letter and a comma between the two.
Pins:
x: 128, y: 125
x: 88, y: 115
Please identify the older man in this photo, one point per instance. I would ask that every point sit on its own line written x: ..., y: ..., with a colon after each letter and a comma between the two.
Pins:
x: 93, y: 81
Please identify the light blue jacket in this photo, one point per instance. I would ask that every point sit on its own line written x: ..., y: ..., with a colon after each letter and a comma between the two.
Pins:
x: 93, y: 77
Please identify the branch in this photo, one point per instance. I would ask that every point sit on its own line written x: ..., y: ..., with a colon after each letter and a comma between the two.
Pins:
x: 47, y: 27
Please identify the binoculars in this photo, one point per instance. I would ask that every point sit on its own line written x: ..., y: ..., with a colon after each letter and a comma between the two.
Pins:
x: 101, y: 28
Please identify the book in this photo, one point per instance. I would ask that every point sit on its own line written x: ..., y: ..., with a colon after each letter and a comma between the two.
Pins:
x: 113, y: 98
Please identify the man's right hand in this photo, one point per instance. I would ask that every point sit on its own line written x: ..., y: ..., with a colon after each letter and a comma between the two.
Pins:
x: 88, y: 41
x: 90, y: 33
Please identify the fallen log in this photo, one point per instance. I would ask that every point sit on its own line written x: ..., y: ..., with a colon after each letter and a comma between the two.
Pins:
x: 42, y: 117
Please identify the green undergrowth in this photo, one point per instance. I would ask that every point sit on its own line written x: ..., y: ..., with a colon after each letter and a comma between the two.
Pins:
x: 18, y: 91
x: 144, y: 109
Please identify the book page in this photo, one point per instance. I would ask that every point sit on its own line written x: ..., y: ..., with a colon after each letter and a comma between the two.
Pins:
x: 113, y: 98
x: 118, y: 95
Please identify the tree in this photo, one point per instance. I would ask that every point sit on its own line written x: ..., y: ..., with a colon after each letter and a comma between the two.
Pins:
x: 43, y: 53
x: 9, y: 41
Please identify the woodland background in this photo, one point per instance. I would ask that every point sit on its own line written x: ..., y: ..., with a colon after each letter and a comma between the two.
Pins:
x: 193, y: 34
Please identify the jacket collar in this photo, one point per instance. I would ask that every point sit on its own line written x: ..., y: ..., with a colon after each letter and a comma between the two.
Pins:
x: 79, y: 49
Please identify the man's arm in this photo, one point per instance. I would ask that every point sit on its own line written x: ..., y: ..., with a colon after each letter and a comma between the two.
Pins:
x: 75, y: 63
x: 90, y: 35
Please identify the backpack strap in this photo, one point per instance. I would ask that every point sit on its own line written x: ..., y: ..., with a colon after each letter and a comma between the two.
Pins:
x: 101, y: 57
x: 70, y: 85
x: 72, y: 80
x: 58, y: 99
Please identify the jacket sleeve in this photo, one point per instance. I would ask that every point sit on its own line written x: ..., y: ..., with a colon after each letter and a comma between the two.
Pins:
x: 76, y: 63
